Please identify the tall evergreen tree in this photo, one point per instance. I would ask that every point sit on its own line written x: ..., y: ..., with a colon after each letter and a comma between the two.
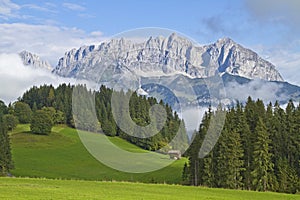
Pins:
x: 5, y: 152
x: 262, y: 162
x: 247, y: 140
x: 230, y: 160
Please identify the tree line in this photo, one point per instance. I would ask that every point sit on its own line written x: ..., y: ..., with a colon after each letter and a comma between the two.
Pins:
x: 44, y: 106
x: 258, y: 149
x: 59, y: 104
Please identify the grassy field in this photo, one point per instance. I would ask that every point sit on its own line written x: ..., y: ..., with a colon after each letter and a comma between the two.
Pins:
x: 62, y: 155
x: 25, y: 188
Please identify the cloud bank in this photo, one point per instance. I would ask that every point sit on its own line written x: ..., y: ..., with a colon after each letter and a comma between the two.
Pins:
x: 48, y: 41
x: 257, y: 89
x: 15, y: 78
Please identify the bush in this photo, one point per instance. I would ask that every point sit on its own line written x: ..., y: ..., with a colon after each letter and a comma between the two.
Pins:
x: 23, y: 112
x: 41, y: 123
x: 10, y: 121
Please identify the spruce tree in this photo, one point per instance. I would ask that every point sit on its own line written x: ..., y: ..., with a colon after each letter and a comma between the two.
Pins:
x: 247, y: 139
x: 5, y: 151
x: 230, y: 160
x: 262, y: 162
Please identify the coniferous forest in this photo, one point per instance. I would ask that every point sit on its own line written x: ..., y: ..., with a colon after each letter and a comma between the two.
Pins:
x: 58, y: 101
x: 258, y: 149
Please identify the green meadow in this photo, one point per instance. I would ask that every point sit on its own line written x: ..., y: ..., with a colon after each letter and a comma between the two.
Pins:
x: 59, y: 166
x: 62, y: 155
x: 28, y: 188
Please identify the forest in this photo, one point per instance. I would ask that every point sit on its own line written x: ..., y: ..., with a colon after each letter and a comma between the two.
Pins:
x: 57, y: 102
x: 257, y: 149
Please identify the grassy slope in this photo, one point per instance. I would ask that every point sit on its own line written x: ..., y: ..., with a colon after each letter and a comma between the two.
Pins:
x: 62, y: 155
x: 24, y: 188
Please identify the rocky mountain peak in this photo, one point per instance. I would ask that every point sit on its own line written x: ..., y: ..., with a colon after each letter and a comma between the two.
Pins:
x: 225, y: 40
x: 34, y: 60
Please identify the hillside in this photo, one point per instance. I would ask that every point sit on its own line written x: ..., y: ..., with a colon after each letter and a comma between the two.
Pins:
x: 62, y: 155
x: 21, y: 188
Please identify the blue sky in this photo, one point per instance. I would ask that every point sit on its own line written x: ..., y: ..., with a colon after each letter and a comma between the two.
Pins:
x: 49, y: 28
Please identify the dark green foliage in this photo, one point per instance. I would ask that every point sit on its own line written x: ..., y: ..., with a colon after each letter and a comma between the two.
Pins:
x: 5, y: 153
x: 229, y: 160
x: 23, y: 112
x: 41, y: 123
x: 84, y: 109
x: 10, y: 121
x: 258, y: 149
x: 58, y: 103
x: 262, y: 164
x: 39, y: 97
x: 3, y: 109
x: 185, y: 175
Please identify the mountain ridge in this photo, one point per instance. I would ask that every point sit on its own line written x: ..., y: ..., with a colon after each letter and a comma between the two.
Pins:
x: 166, y: 56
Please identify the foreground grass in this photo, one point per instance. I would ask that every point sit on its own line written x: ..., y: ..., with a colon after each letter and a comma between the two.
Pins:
x: 25, y: 188
x: 62, y: 155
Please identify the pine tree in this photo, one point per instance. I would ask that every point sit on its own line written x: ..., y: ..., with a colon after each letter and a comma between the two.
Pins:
x: 50, y: 97
x: 3, y: 109
x: 5, y: 151
x: 230, y: 160
x: 250, y: 114
x: 262, y: 162
x: 185, y: 175
x: 207, y: 174
x: 247, y: 140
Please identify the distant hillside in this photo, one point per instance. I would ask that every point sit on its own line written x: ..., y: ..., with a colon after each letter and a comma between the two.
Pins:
x: 62, y: 155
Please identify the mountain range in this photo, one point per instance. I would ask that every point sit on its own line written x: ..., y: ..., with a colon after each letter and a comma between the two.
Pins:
x: 166, y: 56
x: 173, y: 69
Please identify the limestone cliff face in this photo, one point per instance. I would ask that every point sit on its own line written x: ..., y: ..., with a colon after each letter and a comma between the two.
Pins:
x: 165, y: 56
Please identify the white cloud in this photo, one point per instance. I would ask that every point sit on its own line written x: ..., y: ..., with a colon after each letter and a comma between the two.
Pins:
x: 286, y: 58
x: 7, y: 9
x: 45, y: 8
x: 74, y: 7
x: 282, y: 18
x: 288, y: 64
x: 48, y: 41
x: 15, y: 78
x: 257, y: 89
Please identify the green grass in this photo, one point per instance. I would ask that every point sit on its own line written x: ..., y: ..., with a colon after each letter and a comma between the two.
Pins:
x: 62, y: 155
x: 25, y: 188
